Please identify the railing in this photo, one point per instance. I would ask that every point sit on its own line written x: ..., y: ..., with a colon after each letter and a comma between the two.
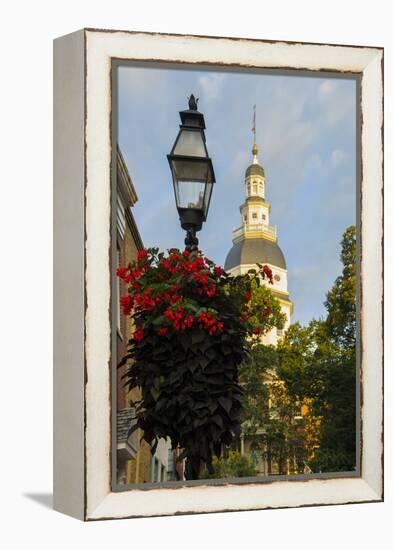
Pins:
x: 270, y: 230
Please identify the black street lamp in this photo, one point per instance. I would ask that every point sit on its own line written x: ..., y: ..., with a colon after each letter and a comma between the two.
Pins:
x: 192, y: 172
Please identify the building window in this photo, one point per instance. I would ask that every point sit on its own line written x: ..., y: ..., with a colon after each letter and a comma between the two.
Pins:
x: 280, y: 333
x: 120, y: 218
x: 245, y: 217
x: 264, y: 216
x: 254, y: 188
x: 254, y: 216
x: 171, y: 476
x: 132, y: 442
x: 118, y: 291
x: 277, y: 277
x: 297, y: 410
x: 155, y: 470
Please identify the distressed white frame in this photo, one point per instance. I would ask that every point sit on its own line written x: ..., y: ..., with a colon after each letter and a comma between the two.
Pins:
x: 82, y: 473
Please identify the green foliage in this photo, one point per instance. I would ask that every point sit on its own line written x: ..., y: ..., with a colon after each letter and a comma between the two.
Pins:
x: 295, y: 353
x: 234, y: 465
x: 252, y: 377
x: 336, y: 400
x: 341, y: 299
x: 268, y: 413
x: 336, y: 404
x: 264, y: 304
x: 190, y: 391
x: 318, y: 362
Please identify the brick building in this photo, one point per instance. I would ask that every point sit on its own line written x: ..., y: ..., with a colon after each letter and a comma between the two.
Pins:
x: 134, y: 460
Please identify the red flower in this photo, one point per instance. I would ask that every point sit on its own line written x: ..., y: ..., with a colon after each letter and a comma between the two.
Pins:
x: 176, y: 316
x: 219, y: 271
x: 166, y: 263
x: 163, y: 331
x: 268, y: 272
x: 257, y: 330
x: 209, y: 323
x: 122, y: 272
x: 126, y: 304
x: 138, y: 334
x: 188, y: 322
x: 266, y: 312
x: 248, y: 296
x: 201, y: 278
x: 142, y: 254
x: 168, y: 313
x: 135, y: 284
x: 145, y: 300
x: 136, y: 274
x: 211, y: 291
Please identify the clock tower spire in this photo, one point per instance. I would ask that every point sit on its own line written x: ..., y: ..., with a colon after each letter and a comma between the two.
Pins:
x: 255, y: 211
x: 255, y: 241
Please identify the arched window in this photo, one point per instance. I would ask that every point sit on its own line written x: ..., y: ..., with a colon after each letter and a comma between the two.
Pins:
x: 254, y: 187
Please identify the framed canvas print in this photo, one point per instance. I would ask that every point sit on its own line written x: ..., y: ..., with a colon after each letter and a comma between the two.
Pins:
x: 218, y: 274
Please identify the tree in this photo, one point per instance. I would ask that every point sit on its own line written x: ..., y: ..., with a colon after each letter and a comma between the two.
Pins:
x: 269, y: 414
x: 253, y: 375
x: 234, y: 465
x: 337, y: 400
x: 318, y: 363
x: 264, y: 305
x: 295, y: 359
x: 341, y: 299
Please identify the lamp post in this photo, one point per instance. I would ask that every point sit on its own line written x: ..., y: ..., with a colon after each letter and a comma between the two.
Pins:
x: 192, y: 172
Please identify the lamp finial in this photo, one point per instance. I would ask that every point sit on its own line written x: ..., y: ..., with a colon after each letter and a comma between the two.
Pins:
x: 193, y: 102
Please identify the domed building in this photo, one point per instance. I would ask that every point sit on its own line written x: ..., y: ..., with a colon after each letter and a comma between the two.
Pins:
x: 255, y: 241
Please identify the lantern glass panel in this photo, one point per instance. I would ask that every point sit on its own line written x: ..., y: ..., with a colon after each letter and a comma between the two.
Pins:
x: 191, y: 170
x: 208, y: 192
x: 190, y: 194
x: 190, y: 143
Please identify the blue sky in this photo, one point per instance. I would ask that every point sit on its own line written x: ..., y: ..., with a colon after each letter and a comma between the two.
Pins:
x: 306, y: 133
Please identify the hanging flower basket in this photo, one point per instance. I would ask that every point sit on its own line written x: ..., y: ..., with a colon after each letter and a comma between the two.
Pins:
x: 193, y: 327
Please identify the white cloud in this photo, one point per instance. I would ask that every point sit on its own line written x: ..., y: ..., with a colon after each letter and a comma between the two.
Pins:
x: 326, y: 89
x: 212, y: 86
x: 335, y: 104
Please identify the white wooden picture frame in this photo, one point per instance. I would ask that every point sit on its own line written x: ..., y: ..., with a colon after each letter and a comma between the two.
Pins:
x: 82, y: 335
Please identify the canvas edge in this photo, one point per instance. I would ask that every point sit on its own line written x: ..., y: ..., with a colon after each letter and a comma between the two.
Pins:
x: 68, y: 274
x: 372, y: 481
x: 372, y: 358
